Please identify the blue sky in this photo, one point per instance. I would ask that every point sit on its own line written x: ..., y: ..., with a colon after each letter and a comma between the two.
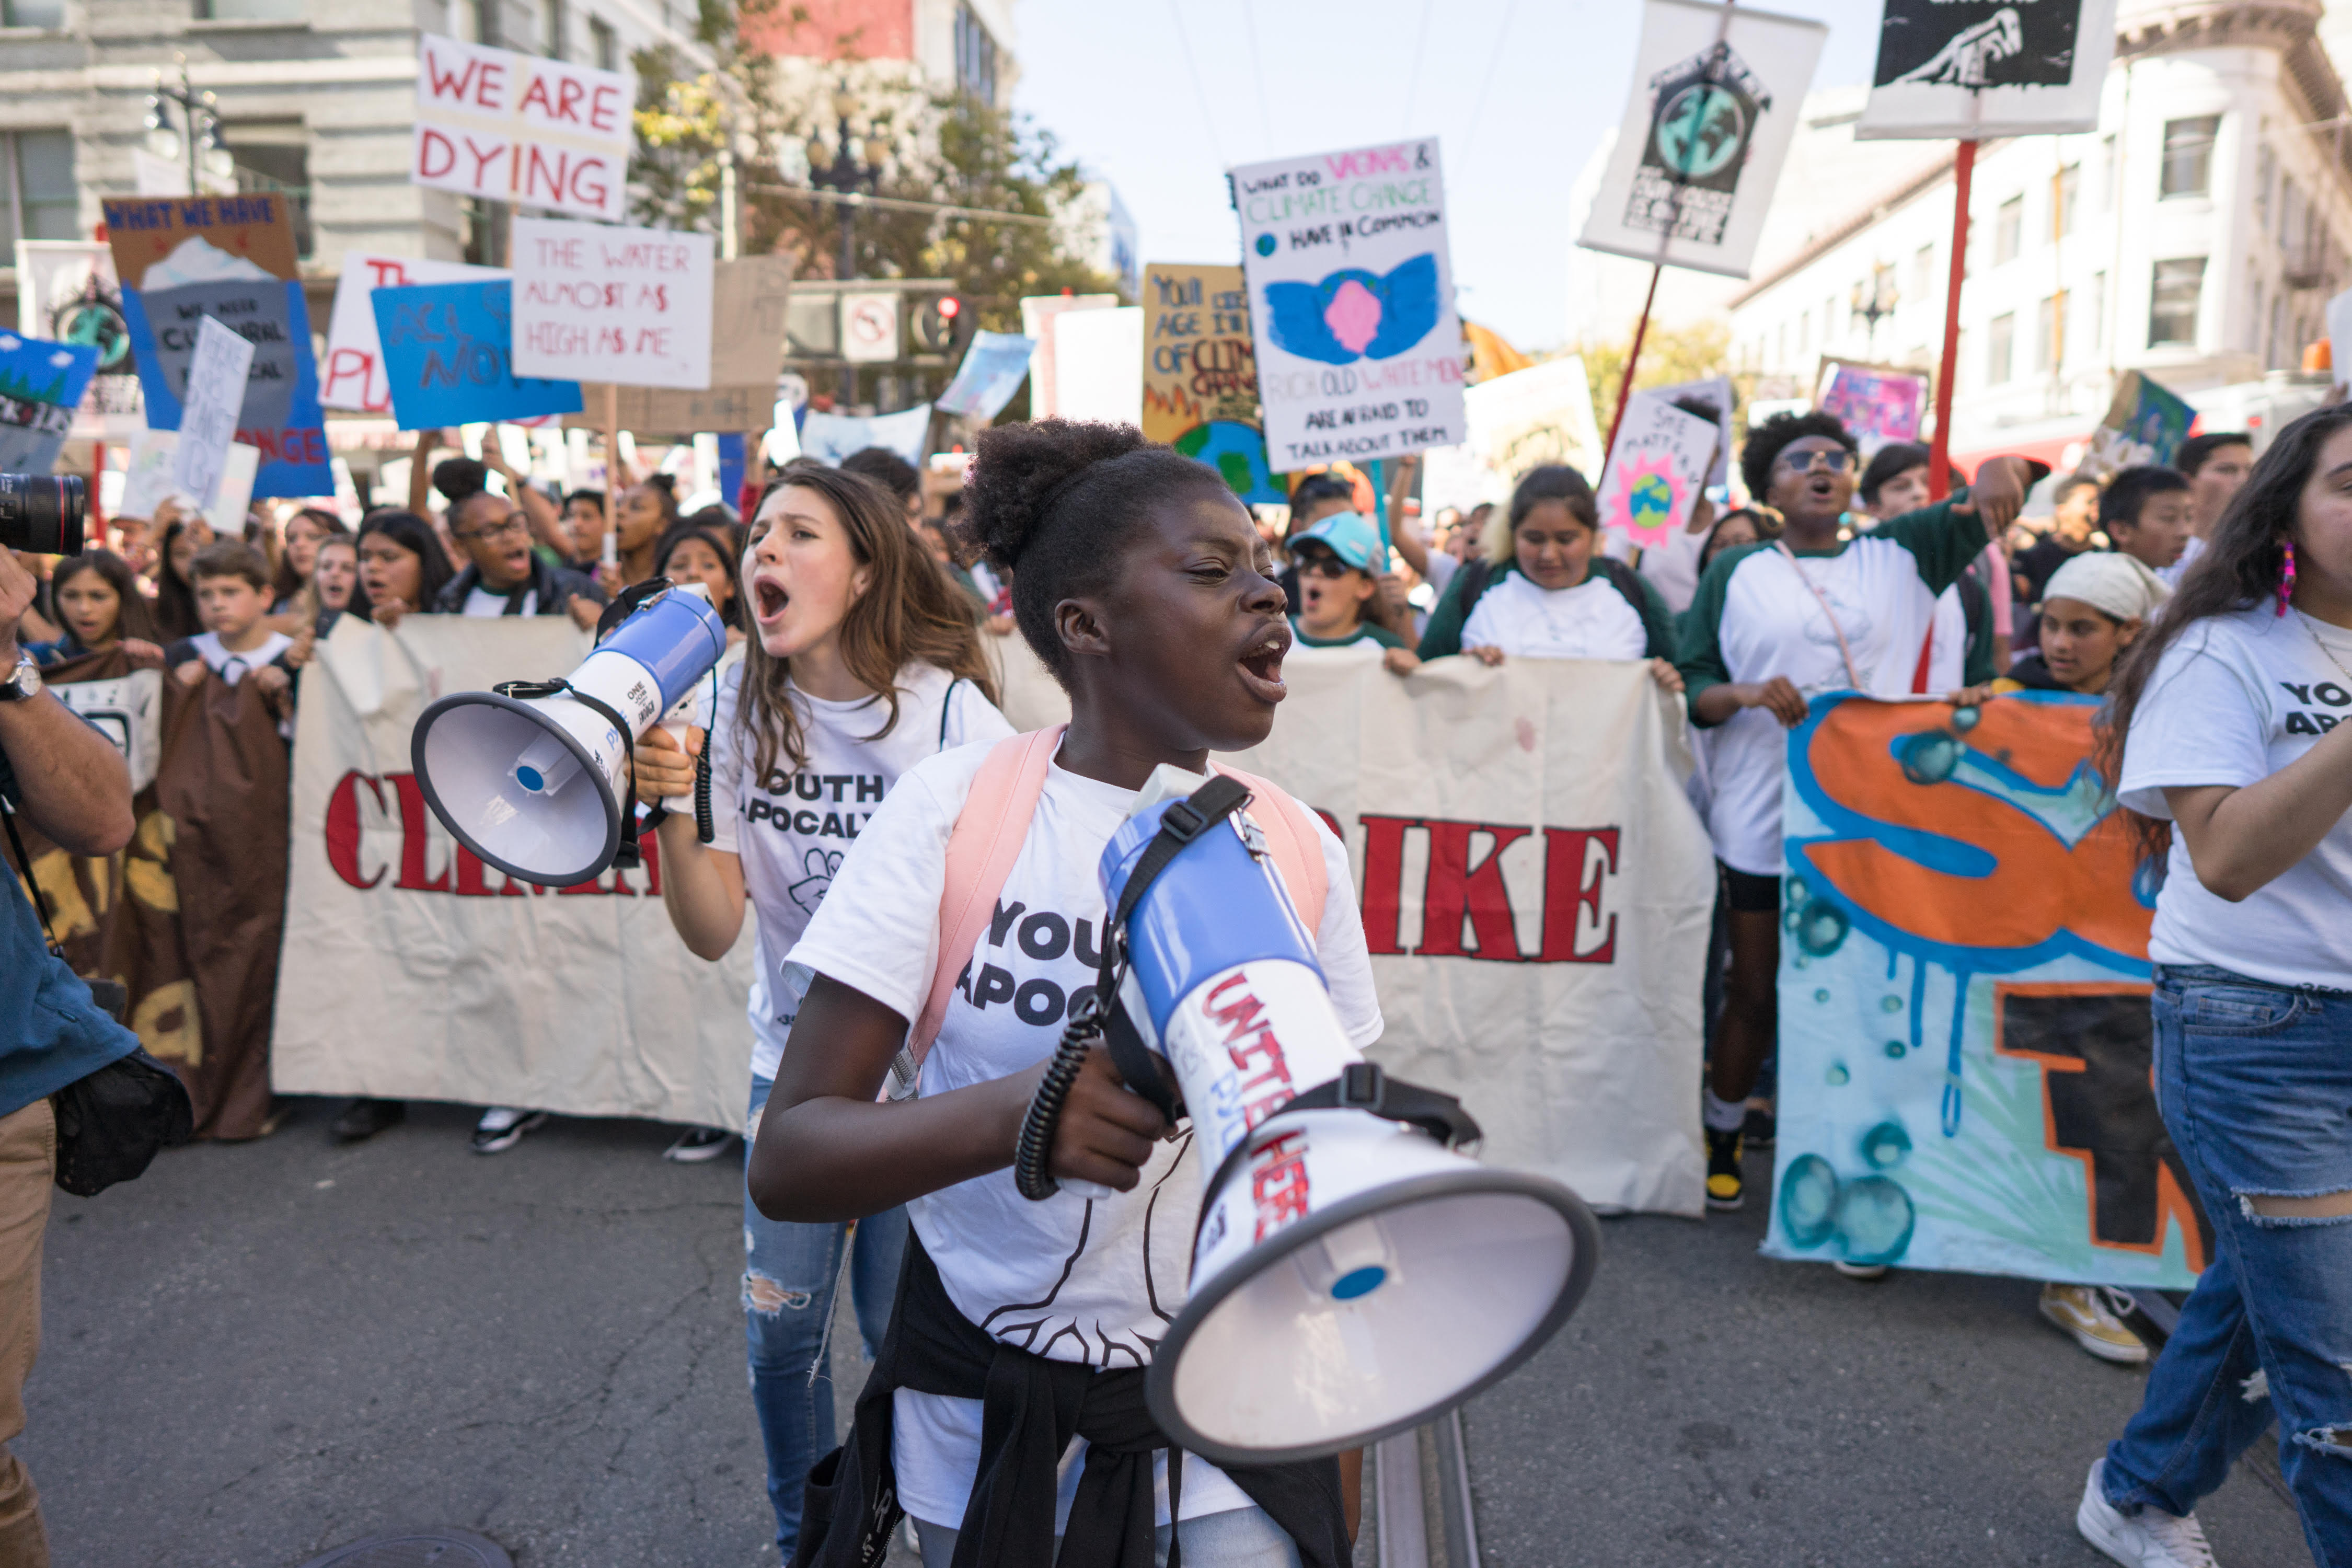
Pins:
x: 1518, y: 91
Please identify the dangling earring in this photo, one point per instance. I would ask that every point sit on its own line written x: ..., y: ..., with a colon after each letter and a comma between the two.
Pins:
x: 2286, y: 579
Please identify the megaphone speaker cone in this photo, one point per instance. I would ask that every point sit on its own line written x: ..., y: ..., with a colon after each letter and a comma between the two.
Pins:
x: 527, y: 785
x: 1367, y: 1317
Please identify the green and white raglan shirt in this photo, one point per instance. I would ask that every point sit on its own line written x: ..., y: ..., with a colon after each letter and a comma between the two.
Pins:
x: 1755, y: 618
x: 1612, y: 614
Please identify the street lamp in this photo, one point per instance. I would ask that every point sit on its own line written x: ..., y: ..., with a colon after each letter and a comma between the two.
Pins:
x: 847, y: 174
x: 1874, y: 302
x: 199, y: 138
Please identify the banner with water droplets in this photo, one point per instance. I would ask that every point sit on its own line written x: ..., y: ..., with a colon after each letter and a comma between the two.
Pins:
x: 1964, y: 1033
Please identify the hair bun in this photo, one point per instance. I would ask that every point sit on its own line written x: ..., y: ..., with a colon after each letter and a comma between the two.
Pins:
x: 460, y: 478
x: 1018, y: 469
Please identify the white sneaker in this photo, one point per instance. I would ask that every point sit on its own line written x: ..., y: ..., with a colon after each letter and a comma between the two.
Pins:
x: 2148, y: 1539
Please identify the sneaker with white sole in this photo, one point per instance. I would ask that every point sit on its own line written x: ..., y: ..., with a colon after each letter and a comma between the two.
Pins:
x: 2148, y: 1539
x: 2091, y: 1316
x: 502, y: 1127
x: 699, y: 1143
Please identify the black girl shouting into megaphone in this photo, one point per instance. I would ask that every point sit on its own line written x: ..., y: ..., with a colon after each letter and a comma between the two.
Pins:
x: 1141, y: 582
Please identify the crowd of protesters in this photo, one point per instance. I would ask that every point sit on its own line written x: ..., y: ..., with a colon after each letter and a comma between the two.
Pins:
x: 2155, y: 588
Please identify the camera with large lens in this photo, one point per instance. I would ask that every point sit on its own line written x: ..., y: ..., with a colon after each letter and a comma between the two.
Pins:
x: 41, y: 513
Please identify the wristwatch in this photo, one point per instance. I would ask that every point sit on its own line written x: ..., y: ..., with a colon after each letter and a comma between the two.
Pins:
x: 24, y: 682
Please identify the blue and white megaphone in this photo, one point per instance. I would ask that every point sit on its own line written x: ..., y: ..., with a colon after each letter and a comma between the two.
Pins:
x: 534, y: 777
x: 1353, y: 1275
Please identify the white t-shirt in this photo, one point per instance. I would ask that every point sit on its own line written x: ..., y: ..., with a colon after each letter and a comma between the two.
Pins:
x: 1069, y: 1278
x: 235, y: 667
x: 1754, y: 618
x: 791, y: 829
x: 1592, y: 620
x: 2234, y: 701
x: 482, y: 602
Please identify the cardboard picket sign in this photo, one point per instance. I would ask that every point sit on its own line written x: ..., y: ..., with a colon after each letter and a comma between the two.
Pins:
x: 1656, y: 470
x: 1878, y: 404
x: 353, y: 376
x: 508, y: 127
x: 231, y: 258
x: 448, y: 357
x: 1714, y: 105
x: 627, y: 305
x: 41, y: 384
x: 1360, y: 352
x: 1200, y: 373
x: 1967, y: 70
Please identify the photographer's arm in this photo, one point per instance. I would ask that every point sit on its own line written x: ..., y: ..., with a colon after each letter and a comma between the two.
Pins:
x: 71, y: 781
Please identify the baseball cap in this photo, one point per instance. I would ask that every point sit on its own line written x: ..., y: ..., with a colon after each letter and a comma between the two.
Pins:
x: 1350, y: 536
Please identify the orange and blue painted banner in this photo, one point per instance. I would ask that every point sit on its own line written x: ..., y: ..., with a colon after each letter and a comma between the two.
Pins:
x: 1965, y: 1043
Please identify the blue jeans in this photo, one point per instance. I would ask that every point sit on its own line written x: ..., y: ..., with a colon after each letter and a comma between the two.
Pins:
x: 789, y: 1273
x: 2255, y: 1084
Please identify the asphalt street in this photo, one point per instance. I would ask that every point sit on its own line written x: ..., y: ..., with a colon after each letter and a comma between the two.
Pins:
x: 256, y: 1354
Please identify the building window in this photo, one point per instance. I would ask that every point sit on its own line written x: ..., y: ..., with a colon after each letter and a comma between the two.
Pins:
x: 1923, y: 273
x: 2008, y: 232
x: 2265, y: 171
x: 2052, y: 349
x: 2278, y: 321
x: 32, y: 13
x: 2065, y: 185
x: 249, y: 10
x: 273, y: 157
x: 2098, y: 313
x: 2111, y: 174
x: 43, y: 201
x: 604, y: 44
x: 2172, y: 301
x: 487, y: 30
x: 556, y: 28
x: 975, y: 56
x: 1805, y: 332
x: 2189, y: 156
x: 2000, y: 337
x: 2255, y: 323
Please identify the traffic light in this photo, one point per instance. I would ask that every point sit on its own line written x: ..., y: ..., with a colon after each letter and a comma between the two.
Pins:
x: 939, y: 323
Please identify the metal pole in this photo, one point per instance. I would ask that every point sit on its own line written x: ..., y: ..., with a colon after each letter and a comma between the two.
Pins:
x: 848, y: 264
x: 1940, y: 461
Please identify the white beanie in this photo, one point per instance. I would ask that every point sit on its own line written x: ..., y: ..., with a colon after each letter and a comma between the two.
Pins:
x: 2108, y: 580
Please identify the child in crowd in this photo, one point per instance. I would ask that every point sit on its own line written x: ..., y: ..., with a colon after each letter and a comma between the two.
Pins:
x: 335, y: 581
x: 2221, y: 735
x: 2074, y: 520
x: 1544, y: 591
x: 97, y: 600
x: 1772, y: 623
x: 503, y: 574
x: 1337, y: 559
x: 583, y: 516
x: 2216, y: 464
x: 298, y: 557
x: 175, y: 593
x: 647, y: 512
x: 2147, y: 513
x: 402, y: 567
x: 1145, y: 589
x: 233, y: 596
x: 691, y: 552
x: 863, y: 662
x: 1969, y: 639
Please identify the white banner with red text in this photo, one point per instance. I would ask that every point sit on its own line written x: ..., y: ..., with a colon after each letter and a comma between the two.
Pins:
x: 412, y: 970
x: 1536, y: 888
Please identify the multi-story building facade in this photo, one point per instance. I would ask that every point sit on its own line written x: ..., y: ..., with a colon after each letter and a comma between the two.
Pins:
x: 316, y: 98
x: 964, y: 45
x: 2196, y: 235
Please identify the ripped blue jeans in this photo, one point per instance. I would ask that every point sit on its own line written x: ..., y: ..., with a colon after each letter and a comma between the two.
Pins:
x: 789, y: 1272
x: 2255, y: 1084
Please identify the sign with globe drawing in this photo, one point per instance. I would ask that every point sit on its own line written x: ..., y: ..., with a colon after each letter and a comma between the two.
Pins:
x: 1715, y: 90
x: 1655, y: 470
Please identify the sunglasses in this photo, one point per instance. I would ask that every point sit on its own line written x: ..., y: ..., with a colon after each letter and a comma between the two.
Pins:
x: 1323, y: 564
x: 1837, y: 459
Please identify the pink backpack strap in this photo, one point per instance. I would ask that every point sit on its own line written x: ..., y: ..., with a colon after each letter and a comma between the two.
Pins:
x: 1291, y: 840
x: 987, y: 838
x: 986, y: 841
